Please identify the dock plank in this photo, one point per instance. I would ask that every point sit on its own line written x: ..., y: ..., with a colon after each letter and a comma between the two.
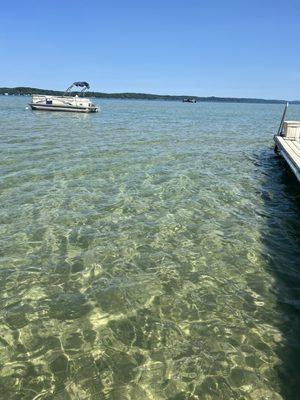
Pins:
x: 297, y: 144
x: 294, y: 151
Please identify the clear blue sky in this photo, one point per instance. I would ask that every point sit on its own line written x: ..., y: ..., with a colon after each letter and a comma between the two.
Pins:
x: 241, y: 48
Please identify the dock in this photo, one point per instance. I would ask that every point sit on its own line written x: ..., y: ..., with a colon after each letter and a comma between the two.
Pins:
x: 287, y: 143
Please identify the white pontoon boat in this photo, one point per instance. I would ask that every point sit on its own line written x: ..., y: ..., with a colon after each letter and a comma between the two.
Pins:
x: 66, y: 102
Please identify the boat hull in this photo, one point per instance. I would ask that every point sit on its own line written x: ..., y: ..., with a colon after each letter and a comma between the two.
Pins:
x: 62, y: 103
x: 46, y: 107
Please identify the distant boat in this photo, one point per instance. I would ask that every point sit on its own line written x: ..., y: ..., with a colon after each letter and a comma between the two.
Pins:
x: 189, y: 100
x: 65, y: 102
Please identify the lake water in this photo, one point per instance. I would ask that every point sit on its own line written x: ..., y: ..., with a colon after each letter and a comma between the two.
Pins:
x: 150, y: 251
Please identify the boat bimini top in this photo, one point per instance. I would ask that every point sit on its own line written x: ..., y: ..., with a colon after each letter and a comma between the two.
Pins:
x: 83, y: 85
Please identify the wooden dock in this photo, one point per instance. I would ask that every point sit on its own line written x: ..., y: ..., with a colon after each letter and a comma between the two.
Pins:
x: 287, y: 143
x: 290, y: 150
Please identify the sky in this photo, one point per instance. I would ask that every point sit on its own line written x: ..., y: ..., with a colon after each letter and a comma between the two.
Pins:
x: 232, y: 48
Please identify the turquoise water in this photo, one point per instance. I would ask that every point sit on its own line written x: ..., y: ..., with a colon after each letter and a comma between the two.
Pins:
x: 150, y: 251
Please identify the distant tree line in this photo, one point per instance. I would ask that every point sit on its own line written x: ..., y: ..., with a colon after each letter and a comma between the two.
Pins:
x: 22, y: 91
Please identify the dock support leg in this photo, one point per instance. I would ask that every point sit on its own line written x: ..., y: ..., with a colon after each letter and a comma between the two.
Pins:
x: 276, y: 149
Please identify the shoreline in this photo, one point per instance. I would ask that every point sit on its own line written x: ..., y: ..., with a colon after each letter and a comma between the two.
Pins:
x: 28, y: 91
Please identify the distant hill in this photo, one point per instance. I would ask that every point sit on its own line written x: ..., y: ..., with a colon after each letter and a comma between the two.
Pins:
x: 22, y: 91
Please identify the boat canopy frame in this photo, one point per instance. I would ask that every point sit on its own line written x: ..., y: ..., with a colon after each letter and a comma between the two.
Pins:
x: 83, y: 85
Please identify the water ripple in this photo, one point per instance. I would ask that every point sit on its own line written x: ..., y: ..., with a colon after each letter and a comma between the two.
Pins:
x: 150, y: 251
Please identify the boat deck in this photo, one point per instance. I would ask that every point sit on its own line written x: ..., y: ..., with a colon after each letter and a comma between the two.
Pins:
x: 290, y: 150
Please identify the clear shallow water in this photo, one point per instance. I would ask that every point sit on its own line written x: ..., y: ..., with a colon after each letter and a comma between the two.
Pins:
x: 150, y: 251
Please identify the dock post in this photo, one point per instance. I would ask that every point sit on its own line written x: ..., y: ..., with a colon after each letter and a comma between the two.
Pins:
x: 279, y: 133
